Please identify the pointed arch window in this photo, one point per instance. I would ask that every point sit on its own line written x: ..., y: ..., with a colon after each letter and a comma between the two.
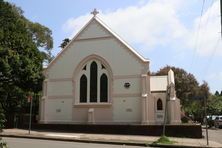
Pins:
x: 103, y: 88
x: 83, y: 88
x: 94, y: 83
x: 159, y: 104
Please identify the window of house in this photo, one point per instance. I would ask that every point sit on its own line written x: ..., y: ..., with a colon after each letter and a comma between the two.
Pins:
x: 159, y: 104
x: 93, y: 77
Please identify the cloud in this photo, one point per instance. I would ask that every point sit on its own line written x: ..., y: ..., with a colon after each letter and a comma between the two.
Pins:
x: 158, y: 23
x: 207, y: 40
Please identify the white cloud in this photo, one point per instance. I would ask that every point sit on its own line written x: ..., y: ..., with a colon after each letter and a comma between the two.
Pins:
x: 157, y: 23
x: 75, y: 24
x: 207, y: 39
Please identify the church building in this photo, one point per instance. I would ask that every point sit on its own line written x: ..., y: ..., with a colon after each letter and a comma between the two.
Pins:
x: 99, y: 79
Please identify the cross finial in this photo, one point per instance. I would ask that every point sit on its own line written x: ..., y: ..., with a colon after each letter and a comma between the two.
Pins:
x: 94, y: 12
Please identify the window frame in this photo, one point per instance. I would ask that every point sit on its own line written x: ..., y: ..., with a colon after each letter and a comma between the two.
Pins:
x: 100, y: 71
x: 157, y: 105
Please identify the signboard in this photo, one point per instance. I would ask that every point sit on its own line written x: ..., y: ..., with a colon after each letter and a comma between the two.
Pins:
x: 29, y: 99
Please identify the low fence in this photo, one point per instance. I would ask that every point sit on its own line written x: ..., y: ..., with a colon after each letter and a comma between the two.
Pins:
x: 191, y: 131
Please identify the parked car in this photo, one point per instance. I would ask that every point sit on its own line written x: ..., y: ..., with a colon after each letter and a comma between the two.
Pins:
x: 218, y: 122
x: 211, y: 120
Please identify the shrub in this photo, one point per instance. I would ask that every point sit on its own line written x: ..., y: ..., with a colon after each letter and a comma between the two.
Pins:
x: 2, y: 118
x: 3, y: 144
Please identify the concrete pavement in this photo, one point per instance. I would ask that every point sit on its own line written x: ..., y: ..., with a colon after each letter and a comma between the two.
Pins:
x: 38, y: 143
x: 105, y: 138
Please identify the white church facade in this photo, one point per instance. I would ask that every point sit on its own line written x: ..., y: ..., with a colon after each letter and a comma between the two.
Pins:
x: 99, y: 79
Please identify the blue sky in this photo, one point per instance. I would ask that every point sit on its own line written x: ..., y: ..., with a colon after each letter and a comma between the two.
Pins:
x: 168, y: 32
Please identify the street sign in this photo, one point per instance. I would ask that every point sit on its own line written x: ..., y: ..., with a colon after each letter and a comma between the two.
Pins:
x: 29, y: 99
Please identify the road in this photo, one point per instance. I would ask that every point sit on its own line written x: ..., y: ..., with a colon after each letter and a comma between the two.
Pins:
x: 35, y: 143
x: 214, y: 134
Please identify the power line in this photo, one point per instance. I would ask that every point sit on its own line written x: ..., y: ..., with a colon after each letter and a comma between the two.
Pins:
x: 207, y: 19
x: 197, y: 34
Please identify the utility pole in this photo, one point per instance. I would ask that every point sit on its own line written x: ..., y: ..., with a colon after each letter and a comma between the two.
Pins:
x: 205, y: 112
x: 30, y: 114
x: 165, y: 113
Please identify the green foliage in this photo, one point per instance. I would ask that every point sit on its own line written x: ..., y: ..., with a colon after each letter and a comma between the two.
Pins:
x: 3, y: 144
x: 184, y: 119
x: 65, y: 42
x: 188, y: 90
x: 217, y: 93
x: 21, y: 61
x: 2, y: 118
x: 164, y: 140
x: 215, y: 105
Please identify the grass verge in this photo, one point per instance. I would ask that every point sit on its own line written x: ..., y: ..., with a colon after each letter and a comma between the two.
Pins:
x: 164, y: 140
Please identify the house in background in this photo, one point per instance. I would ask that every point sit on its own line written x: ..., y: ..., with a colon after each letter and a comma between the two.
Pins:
x: 99, y: 79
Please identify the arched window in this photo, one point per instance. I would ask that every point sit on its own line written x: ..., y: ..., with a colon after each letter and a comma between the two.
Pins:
x: 83, y: 89
x: 93, y: 82
x: 159, y: 104
x: 103, y: 88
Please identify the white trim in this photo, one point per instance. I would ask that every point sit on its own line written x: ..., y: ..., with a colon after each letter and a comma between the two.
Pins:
x: 127, y: 95
x: 86, y: 72
x: 61, y: 97
x: 93, y: 104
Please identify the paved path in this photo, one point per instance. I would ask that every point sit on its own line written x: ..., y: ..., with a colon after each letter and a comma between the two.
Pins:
x: 105, y: 138
x: 36, y: 143
x: 215, y: 134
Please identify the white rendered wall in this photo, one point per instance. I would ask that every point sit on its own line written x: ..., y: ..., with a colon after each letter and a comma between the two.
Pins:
x: 60, y: 88
x: 94, y: 30
x: 127, y: 110
x: 135, y: 86
x: 158, y: 83
x: 121, y: 61
x: 58, y: 110
x: 125, y: 67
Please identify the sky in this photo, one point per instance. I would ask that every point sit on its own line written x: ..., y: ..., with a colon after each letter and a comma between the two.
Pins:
x: 180, y: 33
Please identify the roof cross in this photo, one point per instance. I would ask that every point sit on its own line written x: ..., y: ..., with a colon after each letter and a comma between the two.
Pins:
x: 94, y: 12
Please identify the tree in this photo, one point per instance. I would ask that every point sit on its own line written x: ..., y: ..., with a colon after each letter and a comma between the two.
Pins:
x: 221, y: 93
x: 215, y: 105
x: 216, y: 93
x: 188, y: 90
x: 20, y: 57
x: 2, y: 118
x: 64, y: 43
x: 186, y: 84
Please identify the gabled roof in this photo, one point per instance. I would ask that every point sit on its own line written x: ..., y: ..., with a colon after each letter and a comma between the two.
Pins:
x: 141, y: 58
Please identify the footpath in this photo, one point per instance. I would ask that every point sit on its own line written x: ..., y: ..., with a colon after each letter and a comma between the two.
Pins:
x: 108, y: 138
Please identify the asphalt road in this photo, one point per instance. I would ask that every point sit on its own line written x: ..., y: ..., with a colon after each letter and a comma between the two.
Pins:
x: 35, y: 143
x: 214, y: 134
